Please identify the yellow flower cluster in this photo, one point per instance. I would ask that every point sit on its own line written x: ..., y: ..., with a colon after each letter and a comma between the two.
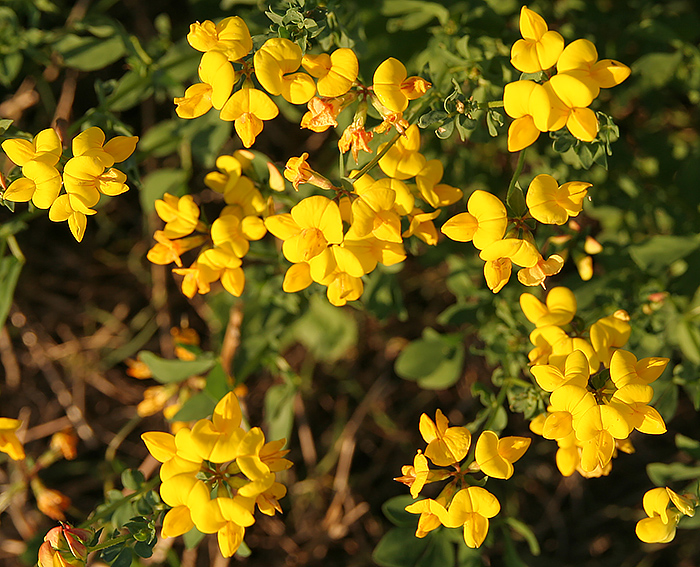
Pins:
x: 227, y: 68
x: 228, y: 238
x: 86, y: 176
x: 215, y: 474
x: 486, y: 225
x: 560, y: 99
x: 599, y: 393
x: 660, y: 524
x: 323, y: 251
x: 460, y: 503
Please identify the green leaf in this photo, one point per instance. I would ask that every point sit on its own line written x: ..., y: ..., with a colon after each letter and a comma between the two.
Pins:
x: 89, y: 53
x: 657, y: 69
x: 10, y: 66
x: 159, y: 182
x: 132, y: 479
x: 162, y: 139
x: 168, y: 371
x: 279, y: 410
x: 400, y: 548
x: 432, y: 117
x: 413, y: 14
x: 123, y: 559
x: 516, y: 201
x: 198, y: 406
x: 440, y: 552
x: 128, y: 91
x: 217, y: 382
x: 445, y: 131
x: 10, y: 268
x: 662, y: 474
x: 689, y: 445
x: 434, y: 361
x: 494, y: 121
x: 660, y: 251
x: 382, y: 295
x: 327, y: 331
x: 687, y: 336
x: 394, y: 510
x: 143, y: 549
x: 526, y: 532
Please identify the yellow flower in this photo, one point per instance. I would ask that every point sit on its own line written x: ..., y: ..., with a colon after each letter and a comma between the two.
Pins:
x: 165, y: 250
x: 335, y: 72
x: 421, y: 225
x: 308, y: 229
x: 446, y: 445
x: 580, y: 59
x: 660, y: 525
x: 373, y: 213
x: 576, y: 372
x: 403, y: 160
x: 340, y: 270
x: 180, y: 214
x: 484, y: 222
x: 84, y: 178
x: 497, y: 273
x: 433, y: 192
x: 62, y: 210
x: 551, y: 204
x: 41, y: 183
x: 625, y: 369
x: 394, y: 88
x: 233, y: 233
x: 223, y: 263
x: 230, y: 36
x: 539, y: 49
x: 369, y: 251
x: 520, y: 252
x: 275, y: 65
x: 567, y: 404
x: 471, y: 508
x: 247, y: 108
x: 432, y: 515
x: 569, y: 98
x: 597, y: 429
x: 496, y: 456
x: 559, y: 310
x: 45, y: 147
x: 9, y: 443
x: 610, y: 333
x: 91, y: 142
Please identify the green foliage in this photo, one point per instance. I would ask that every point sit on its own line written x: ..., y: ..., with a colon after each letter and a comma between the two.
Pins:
x: 434, y: 361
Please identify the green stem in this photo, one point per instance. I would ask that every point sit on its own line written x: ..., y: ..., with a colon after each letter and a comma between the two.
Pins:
x: 111, y: 542
x: 516, y: 174
x: 107, y: 512
x: 492, y: 104
x: 375, y: 160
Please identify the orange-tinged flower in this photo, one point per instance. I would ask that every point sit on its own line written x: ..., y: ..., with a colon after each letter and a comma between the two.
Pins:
x: 540, y: 48
x: 275, y: 65
x: 247, y: 108
x: 355, y: 138
x: 537, y: 274
x: 322, y: 114
x: 298, y: 171
x: 335, y: 72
